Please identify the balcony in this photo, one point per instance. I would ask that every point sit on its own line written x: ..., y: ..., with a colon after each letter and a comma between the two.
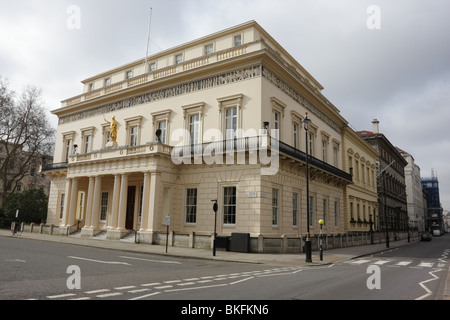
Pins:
x: 165, y: 72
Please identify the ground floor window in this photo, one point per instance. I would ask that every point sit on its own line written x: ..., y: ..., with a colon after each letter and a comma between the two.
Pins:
x: 229, y: 205
x: 191, y: 206
x: 104, y: 206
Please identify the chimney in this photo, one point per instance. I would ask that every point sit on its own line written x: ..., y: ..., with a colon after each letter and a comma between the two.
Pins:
x: 376, y: 128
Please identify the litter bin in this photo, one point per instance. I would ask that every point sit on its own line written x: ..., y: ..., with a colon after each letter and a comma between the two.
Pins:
x: 222, y: 243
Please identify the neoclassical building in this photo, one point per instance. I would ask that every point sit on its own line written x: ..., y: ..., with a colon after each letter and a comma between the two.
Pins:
x: 215, y: 119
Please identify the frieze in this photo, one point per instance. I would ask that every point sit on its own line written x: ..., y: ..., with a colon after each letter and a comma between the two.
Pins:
x: 194, y: 86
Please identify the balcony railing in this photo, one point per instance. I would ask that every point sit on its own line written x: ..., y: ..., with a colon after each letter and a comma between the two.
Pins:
x: 54, y: 166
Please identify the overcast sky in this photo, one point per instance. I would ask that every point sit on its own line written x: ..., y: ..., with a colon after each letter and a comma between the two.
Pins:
x: 381, y: 59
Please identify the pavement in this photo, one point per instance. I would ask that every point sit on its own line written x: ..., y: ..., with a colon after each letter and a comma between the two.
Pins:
x: 329, y: 256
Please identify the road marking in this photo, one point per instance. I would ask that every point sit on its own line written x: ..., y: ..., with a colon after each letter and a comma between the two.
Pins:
x: 99, y: 261
x: 16, y: 260
x: 147, y: 295
x: 381, y: 262
x: 242, y: 280
x: 125, y: 288
x: 62, y: 296
x: 107, y: 295
x: 429, y: 292
x: 426, y: 264
x: 97, y: 291
x: 150, y: 284
x: 360, y: 261
x: 441, y: 265
x: 149, y: 260
x: 139, y: 290
x: 163, y: 287
x: 403, y: 263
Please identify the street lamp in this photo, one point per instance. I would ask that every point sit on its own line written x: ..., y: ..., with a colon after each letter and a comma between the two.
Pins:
x: 215, y: 208
x: 306, y: 122
x: 321, y: 223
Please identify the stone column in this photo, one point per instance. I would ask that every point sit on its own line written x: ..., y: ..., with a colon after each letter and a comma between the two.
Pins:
x: 65, y: 218
x: 145, y: 200
x: 155, y: 188
x: 90, y: 196
x: 96, y: 203
x: 115, y: 202
x: 87, y: 230
x: 123, y: 203
x: 73, y: 202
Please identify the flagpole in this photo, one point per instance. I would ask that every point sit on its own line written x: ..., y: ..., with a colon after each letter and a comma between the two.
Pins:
x: 148, y: 41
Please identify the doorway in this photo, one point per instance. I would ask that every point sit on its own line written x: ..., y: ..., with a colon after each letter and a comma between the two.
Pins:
x: 131, y: 199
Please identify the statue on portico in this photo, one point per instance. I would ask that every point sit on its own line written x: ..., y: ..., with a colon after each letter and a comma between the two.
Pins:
x: 113, y: 129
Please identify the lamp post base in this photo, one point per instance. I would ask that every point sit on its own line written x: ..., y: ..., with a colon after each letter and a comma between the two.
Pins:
x: 308, y: 250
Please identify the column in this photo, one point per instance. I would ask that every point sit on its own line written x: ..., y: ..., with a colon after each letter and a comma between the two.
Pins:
x: 96, y: 203
x: 73, y: 202
x: 145, y: 200
x: 90, y: 196
x: 123, y: 202
x: 65, y: 218
x: 155, y: 188
x: 115, y: 202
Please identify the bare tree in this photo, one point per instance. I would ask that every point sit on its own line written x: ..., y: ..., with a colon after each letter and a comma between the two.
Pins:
x: 25, y: 135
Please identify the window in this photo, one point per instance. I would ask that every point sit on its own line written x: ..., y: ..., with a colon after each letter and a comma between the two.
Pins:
x: 336, y: 213
x: 61, y: 205
x: 87, y: 143
x: 129, y: 75
x: 237, y: 41
x: 104, y: 206
x: 162, y: 125
x: 191, y: 206
x: 209, y: 49
x: 275, y: 208
x: 295, y: 127
x: 278, y: 109
x: 311, y: 143
x: 134, y: 136
x: 91, y: 87
x: 324, y: 150
x: 311, y: 210
x: 133, y: 128
x: 194, y: 129
x: 229, y: 205
x: 325, y: 211
x: 107, y: 82
x: 179, y: 58
x: 67, y: 151
x: 352, y: 214
x: 295, y: 209
x: 336, y: 157
x: 152, y: 67
x: 231, y: 123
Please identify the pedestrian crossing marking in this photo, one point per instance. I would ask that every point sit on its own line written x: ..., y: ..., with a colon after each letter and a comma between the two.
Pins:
x: 426, y: 264
x: 403, y: 263
x: 380, y: 262
x: 360, y: 261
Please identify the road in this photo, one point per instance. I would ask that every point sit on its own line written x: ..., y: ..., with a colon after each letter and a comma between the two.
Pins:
x: 40, y: 270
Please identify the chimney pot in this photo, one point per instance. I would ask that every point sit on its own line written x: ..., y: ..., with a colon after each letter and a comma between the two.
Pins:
x: 376, y: 127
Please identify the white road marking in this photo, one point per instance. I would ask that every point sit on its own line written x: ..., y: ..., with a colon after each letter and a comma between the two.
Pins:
x: 360, y: 261
x: 97, y: 291
x: 403, y: 263
x: 112, y: 294
x: 426, y: 264
x: 147, y: 295
x: 150, y: 284
x: 429, y: 292
x: 381, y: 262
x: 99, y: 261
x: 125, y: 288
x: 149, y: 260
x: 62, y: 296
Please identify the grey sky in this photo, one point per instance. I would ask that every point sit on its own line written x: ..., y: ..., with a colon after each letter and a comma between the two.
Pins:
x: 399, y: 74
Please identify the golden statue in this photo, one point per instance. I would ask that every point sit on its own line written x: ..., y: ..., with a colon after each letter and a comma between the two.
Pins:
x: 113, y: 128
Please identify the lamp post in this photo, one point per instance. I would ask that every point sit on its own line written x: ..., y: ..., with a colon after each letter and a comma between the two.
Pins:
x: 306, y: 122
x: 321, y: 223
x: 215, y: 208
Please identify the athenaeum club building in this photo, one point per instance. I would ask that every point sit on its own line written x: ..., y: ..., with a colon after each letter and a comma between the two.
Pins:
x: 218, y: 118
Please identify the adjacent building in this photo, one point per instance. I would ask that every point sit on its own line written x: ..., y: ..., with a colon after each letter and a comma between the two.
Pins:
x: 360, y: 198
x: 414, y: 194
x: 390, y: 175
x: 435, y: 212
x: 218, y: 119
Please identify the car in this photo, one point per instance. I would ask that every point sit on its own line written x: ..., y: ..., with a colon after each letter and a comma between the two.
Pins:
x: 426, y: 237
x: 436, y: 232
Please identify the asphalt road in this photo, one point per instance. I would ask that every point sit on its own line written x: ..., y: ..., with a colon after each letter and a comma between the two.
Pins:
x: 37, y: 270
